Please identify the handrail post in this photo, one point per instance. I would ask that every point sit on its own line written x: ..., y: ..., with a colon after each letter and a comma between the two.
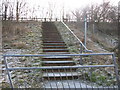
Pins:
x: 85, y: 33
x: 8, y: 72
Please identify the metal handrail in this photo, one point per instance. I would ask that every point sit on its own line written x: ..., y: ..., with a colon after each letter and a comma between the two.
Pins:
x: 47, y: 55
x: 59, y: 67
x: 77, y: 38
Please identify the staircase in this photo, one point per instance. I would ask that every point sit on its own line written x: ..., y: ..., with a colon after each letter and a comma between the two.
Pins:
x: 54, y: 44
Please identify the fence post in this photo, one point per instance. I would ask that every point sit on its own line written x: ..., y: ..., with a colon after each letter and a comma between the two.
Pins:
x: 8, y: 72
x: 116, y: 70
x: 81, y: 53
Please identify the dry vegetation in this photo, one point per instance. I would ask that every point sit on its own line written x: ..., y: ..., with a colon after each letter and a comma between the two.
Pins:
x: 12, y: 32
x: 20, y: 38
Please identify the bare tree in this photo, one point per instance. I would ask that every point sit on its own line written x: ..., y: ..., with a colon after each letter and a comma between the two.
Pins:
x: 77, y: 13
x: 11, y: 10
x: 20, y: 6
x: 5, y: 5
x: 51, y: 7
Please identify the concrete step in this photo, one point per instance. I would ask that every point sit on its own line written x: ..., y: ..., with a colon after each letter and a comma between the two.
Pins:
x: 61, y: 75
x: 54, y: 44
x: 55, y: 50
x: 58, y: 63
x: 56, y: 58
x: 53, y: 41
x: 51, y: 53
x: 54, y: 47
x: 52, y: 38
x: 61, y: 70
x: 51, y: 33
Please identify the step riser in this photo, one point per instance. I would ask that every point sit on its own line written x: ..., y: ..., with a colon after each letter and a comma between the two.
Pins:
x: 55, y: 51
x: 51, y: 34
x: 54, y: 47
x: 50, y: 39
x: 61, y: 78
x: 53, y: 42
x: 56, y: 59
x: 60, y: 70
x: 59, y: 64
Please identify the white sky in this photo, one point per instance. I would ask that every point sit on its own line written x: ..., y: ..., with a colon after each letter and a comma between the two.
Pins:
x: 68, y: 4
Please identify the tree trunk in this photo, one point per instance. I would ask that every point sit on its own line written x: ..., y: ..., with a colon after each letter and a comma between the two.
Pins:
x: 17, y: 12
x: 5, y: 13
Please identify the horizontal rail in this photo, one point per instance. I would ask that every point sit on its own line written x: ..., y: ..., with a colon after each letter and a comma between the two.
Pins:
x: 60, y: 67
x: 77, y: 38
x: 38, y: 55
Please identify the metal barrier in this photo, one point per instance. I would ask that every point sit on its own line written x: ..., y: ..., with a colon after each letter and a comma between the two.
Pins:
x: 85, y: 76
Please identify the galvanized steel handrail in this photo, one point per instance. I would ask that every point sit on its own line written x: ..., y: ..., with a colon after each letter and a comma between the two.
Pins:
x: 77, y: 38
x: 37, y: 55
x: 59, y: 67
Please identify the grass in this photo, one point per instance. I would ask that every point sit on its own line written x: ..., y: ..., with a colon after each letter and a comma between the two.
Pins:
x: 98, y: 78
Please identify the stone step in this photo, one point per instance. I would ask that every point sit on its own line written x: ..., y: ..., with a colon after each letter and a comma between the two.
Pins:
x: 55, y: 50
x: 61, y: 75
x: 58, y: 63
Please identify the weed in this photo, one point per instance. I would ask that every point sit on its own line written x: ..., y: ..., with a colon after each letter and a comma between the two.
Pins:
x: 19, y: 45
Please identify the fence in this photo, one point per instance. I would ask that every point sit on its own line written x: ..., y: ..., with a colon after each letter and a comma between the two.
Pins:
x: 84, y: 76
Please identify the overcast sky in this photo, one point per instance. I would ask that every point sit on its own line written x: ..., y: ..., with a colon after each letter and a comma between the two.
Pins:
x: 57, y: 5
x: 68, y: 4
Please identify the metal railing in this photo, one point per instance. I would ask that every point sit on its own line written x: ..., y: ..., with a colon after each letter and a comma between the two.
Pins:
x: 80, y: 79
x: 82, y: 45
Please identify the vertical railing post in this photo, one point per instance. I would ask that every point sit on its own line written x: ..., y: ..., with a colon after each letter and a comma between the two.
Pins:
x: 116, y: 71
x: 85, y: 32
x: 8, y: 72
x: 81, y: 62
